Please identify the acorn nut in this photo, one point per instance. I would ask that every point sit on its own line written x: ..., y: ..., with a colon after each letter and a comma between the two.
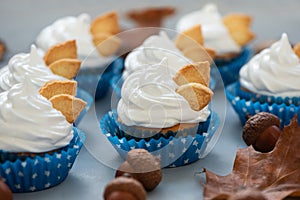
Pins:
x: 142, y: 166
x: 5, y: 192
x: 122, y: 188
x: 262, y: 131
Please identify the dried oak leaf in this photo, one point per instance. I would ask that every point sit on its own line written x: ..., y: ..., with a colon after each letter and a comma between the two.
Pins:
x: 275, y: 174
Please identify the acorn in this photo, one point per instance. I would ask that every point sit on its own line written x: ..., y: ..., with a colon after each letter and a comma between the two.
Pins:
x: 262, y: 131
x: 142, y: 166
x: 122, y: 188
x: 5, y: 192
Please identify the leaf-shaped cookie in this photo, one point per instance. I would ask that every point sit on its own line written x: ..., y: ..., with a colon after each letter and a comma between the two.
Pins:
x: 106, y: 23
x: 238, y: 26
x: 275, y: 174
x: 188, y: 38
x: 193, y: 73
x: 68, y: 105
x: 197, y: 95
x: 199, y: 54
x: 67, y: 49
x: 106, y: 44
x: 190, y: 42
x: 65, y: 67
x: 297, y: 49
x: 52, y: 88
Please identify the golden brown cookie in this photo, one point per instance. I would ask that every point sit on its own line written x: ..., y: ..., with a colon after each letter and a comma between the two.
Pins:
x: 66, y: 67
x: 238, y: 26
x: 52, y: 88
x: 193, y: 73
x: 106, y: 23
x: 191, y: 37
x: 297, y: 49
x: 106, y: 44
x: 68, y: 105
x: 197, y: 95
x: 67, y: 49
x: 199, y: 54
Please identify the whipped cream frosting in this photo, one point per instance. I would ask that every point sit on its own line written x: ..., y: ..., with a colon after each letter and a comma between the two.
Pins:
x: 29, y: 123
x: 149, y: 100
x: 152, y: 51
x: 69, y: 28
x: 23, y: 63
x: 216, y: 35
x: 275, y: 71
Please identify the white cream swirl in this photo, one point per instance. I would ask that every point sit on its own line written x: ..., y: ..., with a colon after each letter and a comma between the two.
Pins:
x: 29, y: 123
x: 216, y: 35
x: 69, y: 28
x: 275, y: 71
x: 152, y: 51
x: 149, y: 100
x: 22, y: 63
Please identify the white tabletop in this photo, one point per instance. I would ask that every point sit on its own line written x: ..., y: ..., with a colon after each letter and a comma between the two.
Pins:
x: 21, y: 21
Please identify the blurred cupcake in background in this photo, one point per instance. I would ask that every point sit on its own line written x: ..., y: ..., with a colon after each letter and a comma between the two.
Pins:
x: 39, y: 143
x: 228, y: 36
x: 164, y: 111
x: 97, y: 45
x: 269, y: 82
x: 157, y: 47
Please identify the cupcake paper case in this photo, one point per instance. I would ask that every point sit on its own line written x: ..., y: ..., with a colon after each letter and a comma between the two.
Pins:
x: 268, y: 82
x: 227, y: 35
x: 173, y: 151
x: 96, y: 43
x: 29, y: 174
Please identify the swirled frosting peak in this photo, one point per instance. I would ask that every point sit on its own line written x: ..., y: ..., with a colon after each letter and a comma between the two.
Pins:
x: 149, y: 99
x: 216, y: 35
x: 69, y: 28
x: 29, y: 123
x: 152, y: 51
x: 275, y: 71
x: 23, y: 63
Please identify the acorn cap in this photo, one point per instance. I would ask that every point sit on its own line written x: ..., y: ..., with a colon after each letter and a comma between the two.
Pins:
x: 257, y: 124
x: 146, y: 168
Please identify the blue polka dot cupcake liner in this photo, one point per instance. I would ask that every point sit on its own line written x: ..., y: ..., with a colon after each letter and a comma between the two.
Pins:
x: 247, y: 107
x: 229, y: 70
x: 266, y: 98
x: 116, y: 83
x: 96, y: 81
x: 173, y: 151
x: 40, y: 172
x: 87, y: 97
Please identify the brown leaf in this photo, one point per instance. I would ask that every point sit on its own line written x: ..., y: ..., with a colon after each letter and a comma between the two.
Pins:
x: 276, y: 174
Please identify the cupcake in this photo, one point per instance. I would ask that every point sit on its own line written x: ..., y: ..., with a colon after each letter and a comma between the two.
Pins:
x: 164, y: 111
x: 227, y: 35
x: 268, y: 82
x: 39, y: 70
x: 96, y: 43
x: 39, y: 143
x: 160, y: 46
